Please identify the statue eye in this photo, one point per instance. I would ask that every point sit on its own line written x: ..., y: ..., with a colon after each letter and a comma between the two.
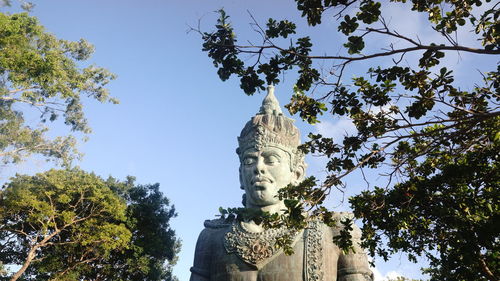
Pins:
x: 248, y: 161
x: 272, y: 159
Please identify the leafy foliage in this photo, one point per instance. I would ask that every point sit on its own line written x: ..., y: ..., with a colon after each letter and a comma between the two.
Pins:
x: 71, y: 225
x: 154, y: 245
x: 3, y: 271
x: 440, y: 142
x: 61, y: 211
x: 402, y: 278
x: 40, y: 75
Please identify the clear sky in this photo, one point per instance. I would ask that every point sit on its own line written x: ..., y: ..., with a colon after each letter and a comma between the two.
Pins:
x: 177, y: 123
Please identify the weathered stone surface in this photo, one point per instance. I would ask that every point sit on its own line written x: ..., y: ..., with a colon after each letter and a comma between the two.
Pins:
x: 244, y: 251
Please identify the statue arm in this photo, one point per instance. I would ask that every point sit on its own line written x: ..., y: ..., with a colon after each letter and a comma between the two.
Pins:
x: 200, y: 271
x: 353, y: 266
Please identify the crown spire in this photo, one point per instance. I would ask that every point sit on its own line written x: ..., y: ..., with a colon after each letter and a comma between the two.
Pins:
x: 270, y: 105
x: 270, y: 127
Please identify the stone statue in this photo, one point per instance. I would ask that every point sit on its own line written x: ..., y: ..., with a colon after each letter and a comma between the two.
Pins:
x: 245, y: 251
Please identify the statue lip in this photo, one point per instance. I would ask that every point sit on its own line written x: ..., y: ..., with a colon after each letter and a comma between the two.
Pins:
x: 260, y: 180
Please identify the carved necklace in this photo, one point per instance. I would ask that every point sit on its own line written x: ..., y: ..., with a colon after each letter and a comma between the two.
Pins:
x: 255, y: 248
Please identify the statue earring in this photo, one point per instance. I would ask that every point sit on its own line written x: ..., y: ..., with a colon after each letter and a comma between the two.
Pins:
x: 244, y: 200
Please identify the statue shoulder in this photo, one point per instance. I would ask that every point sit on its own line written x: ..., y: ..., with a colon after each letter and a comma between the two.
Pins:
x: 217, y: 223
x: 209, y: 244
x: 214, y: 229
x: 211, y: 235
x: 344, y: 215
x: 337, y: 216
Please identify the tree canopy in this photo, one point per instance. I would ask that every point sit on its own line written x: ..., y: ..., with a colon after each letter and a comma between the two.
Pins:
x: 154, y: 245
x: 68, y: 224
x: 437, y: 143
x: 72, y: 225
x: 41, y: 75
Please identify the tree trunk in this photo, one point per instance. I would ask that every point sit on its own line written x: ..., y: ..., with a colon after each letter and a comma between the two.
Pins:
x: 31, y: 254
x: 486, y: 270
x: 27, y: 262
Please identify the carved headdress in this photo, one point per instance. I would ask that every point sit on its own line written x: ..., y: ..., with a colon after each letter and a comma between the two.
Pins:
x: 269, y: 127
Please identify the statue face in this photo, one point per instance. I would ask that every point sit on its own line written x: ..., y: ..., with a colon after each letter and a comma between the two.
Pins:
x: 263, y: 172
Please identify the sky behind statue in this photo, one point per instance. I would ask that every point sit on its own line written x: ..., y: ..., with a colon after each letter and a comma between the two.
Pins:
x: 177, y: 123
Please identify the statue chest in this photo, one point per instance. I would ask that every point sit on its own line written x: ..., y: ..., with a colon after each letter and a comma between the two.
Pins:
x: 230, y: 267
x: 250, y: 257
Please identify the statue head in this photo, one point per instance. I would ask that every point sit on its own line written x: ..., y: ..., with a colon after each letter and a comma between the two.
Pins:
x: 269, y: 158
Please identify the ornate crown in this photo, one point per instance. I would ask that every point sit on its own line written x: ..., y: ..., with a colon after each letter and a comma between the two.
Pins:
x: 269, y: 127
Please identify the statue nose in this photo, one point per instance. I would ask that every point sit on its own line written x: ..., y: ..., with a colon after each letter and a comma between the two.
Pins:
x: 259, y: 167
x: 258, y: 171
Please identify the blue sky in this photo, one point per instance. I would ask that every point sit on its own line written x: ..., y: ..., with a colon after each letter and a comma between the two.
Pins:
x: 177, y: 123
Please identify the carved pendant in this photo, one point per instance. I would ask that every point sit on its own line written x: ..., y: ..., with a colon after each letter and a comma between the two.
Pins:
x: 254, y: 248
x: 313, y: 248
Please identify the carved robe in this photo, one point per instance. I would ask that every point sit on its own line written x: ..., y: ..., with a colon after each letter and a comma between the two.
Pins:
x: 228, y: 252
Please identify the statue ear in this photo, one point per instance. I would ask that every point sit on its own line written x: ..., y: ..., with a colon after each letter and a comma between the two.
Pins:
x: 244, y: 199
x: 299, y: 174
x: 241, y: 180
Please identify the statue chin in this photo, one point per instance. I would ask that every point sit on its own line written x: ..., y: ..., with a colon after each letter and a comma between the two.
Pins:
x: 261, y: 198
